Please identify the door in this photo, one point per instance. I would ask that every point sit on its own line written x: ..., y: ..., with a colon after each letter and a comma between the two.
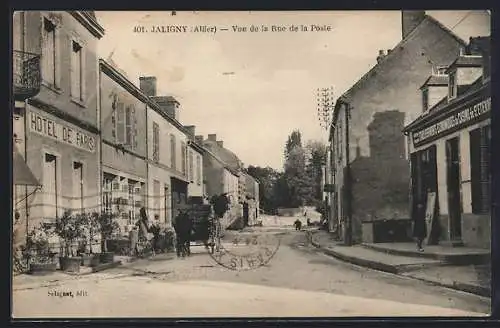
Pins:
x: 77, y: 187
x: 166, y: 207
x: 245, y: 213
x: 453, y: 188
x: 50, y: 186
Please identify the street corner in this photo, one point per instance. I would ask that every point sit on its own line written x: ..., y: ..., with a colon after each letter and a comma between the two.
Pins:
x: 247, y: 252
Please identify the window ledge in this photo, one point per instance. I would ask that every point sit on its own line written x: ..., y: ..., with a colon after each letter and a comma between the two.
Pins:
x: 79, y: 102
x: 51, y: 87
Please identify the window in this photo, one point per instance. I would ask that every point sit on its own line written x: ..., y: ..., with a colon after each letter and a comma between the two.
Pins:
x: 480, y: 140
x: 76, y: 71
x: 183, y: 159
x: 78, y: 187
x: 125, y: 131
x: 452, y: 88
x: 425, y: 99
x: 198, y: 170
x: 173, y: 150
x: 49, y: 52
x: 191, y: 164
x: 156, y: 142
x: 107, y: 195
x: 50, y: 187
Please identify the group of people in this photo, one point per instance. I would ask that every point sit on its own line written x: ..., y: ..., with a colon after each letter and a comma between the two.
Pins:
x: 182, y: 225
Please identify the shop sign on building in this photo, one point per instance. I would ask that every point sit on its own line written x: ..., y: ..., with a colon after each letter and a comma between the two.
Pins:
x: 65, y: 133
x: 453, y: 121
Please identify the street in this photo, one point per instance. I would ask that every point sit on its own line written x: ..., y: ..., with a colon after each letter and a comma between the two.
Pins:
x: 297, y: 281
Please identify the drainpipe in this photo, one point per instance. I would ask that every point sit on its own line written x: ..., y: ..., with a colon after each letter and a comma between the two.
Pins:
x: 347, y: 178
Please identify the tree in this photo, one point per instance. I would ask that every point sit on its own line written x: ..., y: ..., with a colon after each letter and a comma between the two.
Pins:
x: 317, y: 151
x: 294, y: 140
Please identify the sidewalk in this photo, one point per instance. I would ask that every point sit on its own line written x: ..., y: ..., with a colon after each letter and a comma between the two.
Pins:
x: 475, y: 279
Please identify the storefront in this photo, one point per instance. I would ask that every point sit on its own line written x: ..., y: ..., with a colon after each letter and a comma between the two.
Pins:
x: 64, y: 157
x: 450, y: 159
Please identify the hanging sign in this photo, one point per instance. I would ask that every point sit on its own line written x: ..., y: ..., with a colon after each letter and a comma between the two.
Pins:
x: 65, y: 133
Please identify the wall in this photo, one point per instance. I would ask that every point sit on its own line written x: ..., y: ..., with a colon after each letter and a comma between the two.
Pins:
x: 467, y: 75
x: 195, y: 189
x: 60, y: 96
x: 436, y: 94
x: 213, y: 175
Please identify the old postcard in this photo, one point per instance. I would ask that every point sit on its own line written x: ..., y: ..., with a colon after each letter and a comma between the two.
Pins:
x: 189, y: 164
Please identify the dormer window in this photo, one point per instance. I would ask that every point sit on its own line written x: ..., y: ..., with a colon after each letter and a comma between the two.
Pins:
x: 452, y: 85
x: 425, y: 99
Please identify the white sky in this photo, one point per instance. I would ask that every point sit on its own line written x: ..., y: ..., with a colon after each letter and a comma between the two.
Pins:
x: 276, y: 75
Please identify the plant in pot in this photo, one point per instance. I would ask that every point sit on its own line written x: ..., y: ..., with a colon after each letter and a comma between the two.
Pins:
x: 37, y: 250
x: 91, y: 231
x: 108, y: 226
x: 69, y: 228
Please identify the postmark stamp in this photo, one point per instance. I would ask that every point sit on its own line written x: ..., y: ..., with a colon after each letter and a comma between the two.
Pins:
x: 247, y: 251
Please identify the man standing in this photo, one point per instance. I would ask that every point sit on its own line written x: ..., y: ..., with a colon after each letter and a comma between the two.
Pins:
x: 182, y: 226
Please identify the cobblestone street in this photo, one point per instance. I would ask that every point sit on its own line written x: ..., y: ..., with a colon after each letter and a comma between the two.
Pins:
x: 150, y: 286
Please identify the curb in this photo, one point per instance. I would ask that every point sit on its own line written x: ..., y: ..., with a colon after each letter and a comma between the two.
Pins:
x: 463, y: 287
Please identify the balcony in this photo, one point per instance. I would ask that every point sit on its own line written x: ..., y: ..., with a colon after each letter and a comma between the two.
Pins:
x: 26, y: 75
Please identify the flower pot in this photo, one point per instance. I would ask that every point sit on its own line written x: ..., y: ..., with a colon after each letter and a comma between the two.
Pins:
x: 107, y: 257
x: 70, y: 264
x: 87, y: 259
x: 95, y: 260
x: 42, y: 268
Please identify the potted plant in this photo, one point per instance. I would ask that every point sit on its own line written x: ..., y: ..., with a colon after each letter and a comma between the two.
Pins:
x: 91, y: 230
x: 37, y: 250
x: 69, y: 228
x: 108, y: 226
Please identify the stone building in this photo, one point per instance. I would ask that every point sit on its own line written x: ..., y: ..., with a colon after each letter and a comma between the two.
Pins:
x: 369, y: 163
x: 124, y: 146
x: 450, y: 146
x: 196, y: 190
x: 57, y: 130
x: 251, y: 205
x: 167, y: 158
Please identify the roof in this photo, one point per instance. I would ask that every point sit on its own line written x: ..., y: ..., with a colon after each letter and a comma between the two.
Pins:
x: 369, y: 74
x: 217, y: 158
x: 436, y: 80
x: 225, y: 154
x: 443, y: 104
x: 467, y: 61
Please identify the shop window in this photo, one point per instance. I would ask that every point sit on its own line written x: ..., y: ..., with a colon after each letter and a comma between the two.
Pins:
x: 78, y: 187
x: 76, y: 70
x: 50, y: 186
x: 480, y: 141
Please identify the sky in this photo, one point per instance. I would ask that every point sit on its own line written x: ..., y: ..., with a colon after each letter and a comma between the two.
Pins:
x: 253, y: 88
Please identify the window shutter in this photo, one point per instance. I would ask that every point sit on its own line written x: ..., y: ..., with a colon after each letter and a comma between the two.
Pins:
x: 83, y: 85
x: 120, y: 125
x: 57, y: 60
x: 128, y: 126
x: 113, y: 118
x: 134, y: 129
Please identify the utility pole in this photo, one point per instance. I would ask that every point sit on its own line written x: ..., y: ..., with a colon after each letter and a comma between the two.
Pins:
x: 325, y: 104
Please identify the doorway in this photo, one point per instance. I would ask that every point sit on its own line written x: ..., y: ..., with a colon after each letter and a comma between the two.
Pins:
x: 50, y: 189
x: 453, y: 188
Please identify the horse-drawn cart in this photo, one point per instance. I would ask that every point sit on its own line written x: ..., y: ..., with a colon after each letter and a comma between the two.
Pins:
x: 206, y: 228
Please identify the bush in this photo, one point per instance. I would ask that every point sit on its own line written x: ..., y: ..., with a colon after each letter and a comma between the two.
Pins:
x: 70, y: 228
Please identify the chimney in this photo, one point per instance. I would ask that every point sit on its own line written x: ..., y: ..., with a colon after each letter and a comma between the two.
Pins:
x: 191, y: 130
x: 147, y: 84
x: 199, y: 140
x: 389, y: 51
x: 380, y: 56
x: 220, y: 143
x: 410, y: 19
x: 169, y: 106
x: 212, y: 137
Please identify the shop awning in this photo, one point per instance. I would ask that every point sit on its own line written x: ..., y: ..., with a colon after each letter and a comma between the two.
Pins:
x: 22, y: 174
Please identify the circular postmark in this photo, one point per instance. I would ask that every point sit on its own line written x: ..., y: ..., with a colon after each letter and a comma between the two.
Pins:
x: 246, y: 251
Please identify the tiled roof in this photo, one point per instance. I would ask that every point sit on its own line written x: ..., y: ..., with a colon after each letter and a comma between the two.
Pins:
x: 224, y: 154
x: 436, y: 80
x: 469, y: 61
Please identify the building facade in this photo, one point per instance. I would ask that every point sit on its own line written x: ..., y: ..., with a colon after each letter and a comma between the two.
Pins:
x: 369, y: 163
x: 251, y: 206
x: 124, y: 146
x: 168, y: 163
x: 196, y: 190
x: 450, y: 153
x: 57, y: 130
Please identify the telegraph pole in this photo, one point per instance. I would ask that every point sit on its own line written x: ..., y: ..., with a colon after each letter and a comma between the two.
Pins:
x: 325, y: 104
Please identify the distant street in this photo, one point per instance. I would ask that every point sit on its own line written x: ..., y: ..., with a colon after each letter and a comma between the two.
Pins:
x: 298, y: 281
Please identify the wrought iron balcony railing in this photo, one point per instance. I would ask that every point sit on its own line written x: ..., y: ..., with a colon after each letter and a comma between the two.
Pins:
x: 26, y: 74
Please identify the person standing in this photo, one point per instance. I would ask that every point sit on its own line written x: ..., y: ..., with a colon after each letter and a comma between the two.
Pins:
x: 419, y: 227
